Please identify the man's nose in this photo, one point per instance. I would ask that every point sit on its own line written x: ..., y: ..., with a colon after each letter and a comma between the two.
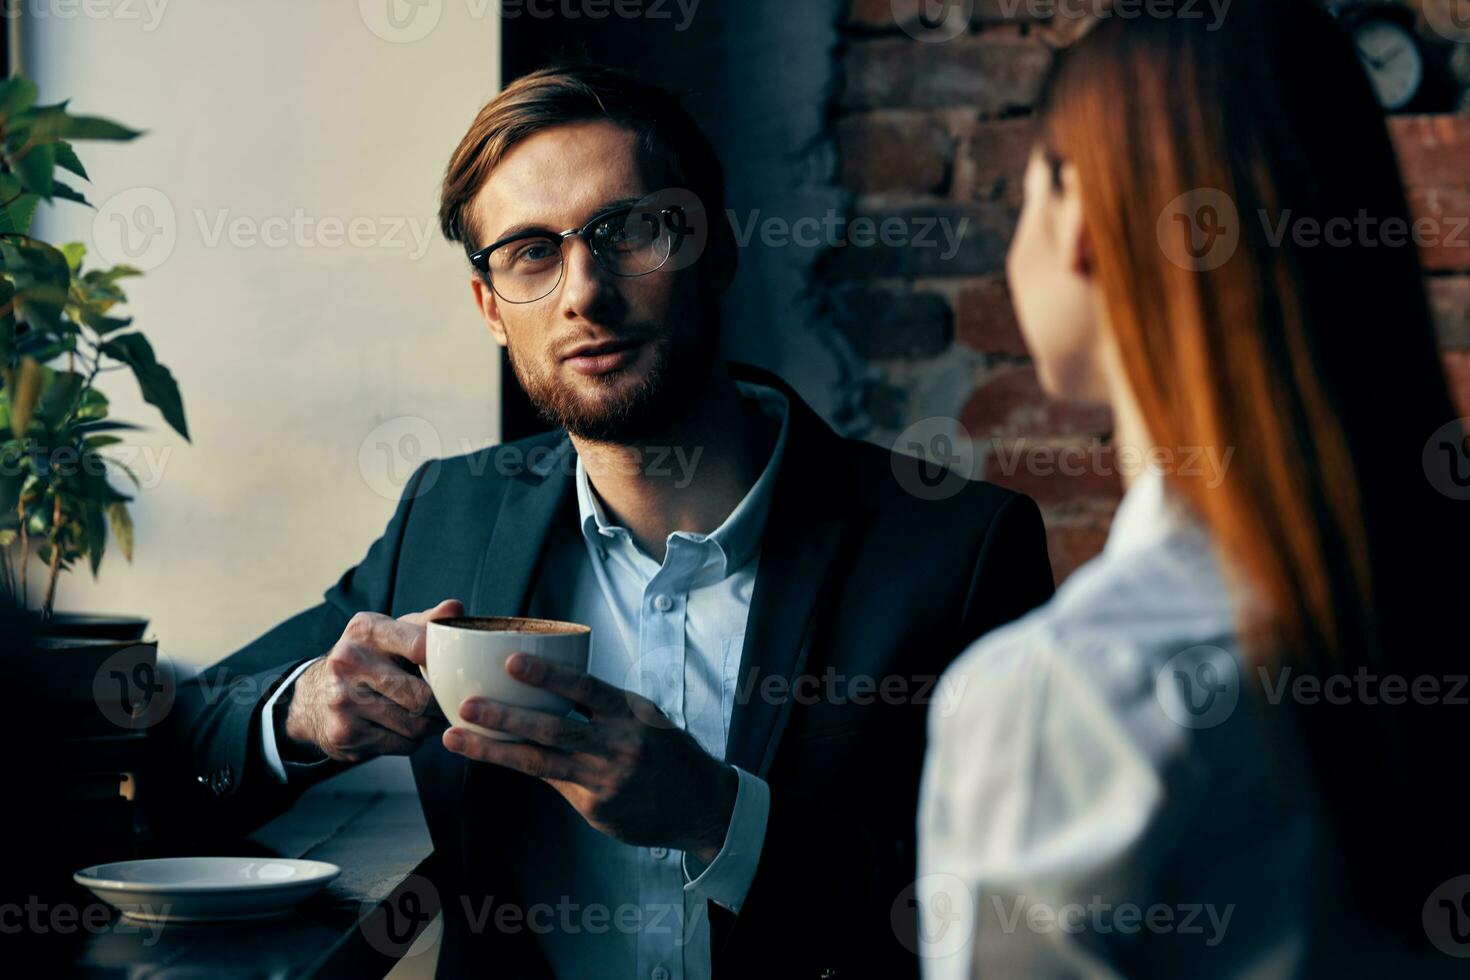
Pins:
x: 587, y: 287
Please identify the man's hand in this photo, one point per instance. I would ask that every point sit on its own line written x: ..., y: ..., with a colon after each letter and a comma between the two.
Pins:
x: 366, y: 698
x: 628, y: 771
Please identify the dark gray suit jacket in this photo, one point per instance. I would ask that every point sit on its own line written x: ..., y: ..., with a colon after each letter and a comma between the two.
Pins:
x: 859, y: 578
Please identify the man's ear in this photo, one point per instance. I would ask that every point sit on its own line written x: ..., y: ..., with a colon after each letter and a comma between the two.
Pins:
x: 489, y: 306
x: 1072, y: 225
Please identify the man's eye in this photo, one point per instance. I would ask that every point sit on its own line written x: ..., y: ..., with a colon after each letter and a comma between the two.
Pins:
x: 534, y: 252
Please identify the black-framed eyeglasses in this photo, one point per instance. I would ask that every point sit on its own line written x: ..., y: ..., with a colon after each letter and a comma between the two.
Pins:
x: 628, y: 242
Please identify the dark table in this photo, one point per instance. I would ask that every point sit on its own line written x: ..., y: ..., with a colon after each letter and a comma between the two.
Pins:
x: 358, y: 926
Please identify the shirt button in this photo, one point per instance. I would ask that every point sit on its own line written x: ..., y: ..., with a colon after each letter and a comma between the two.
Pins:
x: 659, y: 853
x: 659, y: 973
x: 663, y: 603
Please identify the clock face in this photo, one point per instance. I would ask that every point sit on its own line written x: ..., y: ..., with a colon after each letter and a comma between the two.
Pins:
x: 1393, y: 59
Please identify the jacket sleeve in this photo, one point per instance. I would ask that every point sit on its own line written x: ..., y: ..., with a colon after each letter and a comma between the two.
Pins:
x: 839, y: 884
x: 206, y: 772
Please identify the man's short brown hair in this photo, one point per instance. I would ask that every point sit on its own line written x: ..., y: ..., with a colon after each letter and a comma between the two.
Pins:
x: 558, y: 96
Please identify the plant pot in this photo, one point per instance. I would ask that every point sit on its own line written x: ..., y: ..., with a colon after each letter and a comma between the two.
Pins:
x: 97, y: 626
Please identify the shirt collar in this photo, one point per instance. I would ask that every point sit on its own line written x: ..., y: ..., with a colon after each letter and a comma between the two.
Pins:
x: 738, y: 538
x: 1148, y: 513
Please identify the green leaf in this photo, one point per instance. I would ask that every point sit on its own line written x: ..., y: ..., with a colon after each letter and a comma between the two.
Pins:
x: 94, y: 405
x: 58, y: 189
x: 47, y: 124
x: 25, y: 390
x: 11, y: 478
x: 106, y: 425
x: 62, y: 390
x: 125, y: 468
x: 66, y: 159
x: 16, y: 213
x: 155, y: 380
x: 96, y: 539
x: 35, y: 166
x: 74, y: 252
x: 97, y: 442
x: 122, y: 527
x: 104, y: 324
x: 17, y: 94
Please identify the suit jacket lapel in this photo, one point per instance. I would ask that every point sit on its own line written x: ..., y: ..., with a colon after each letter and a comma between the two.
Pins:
x: 805, y: 529
x: 530, y: 503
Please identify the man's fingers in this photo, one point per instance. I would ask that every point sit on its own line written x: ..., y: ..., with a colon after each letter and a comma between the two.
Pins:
x: 386, y: 714
x: 563, y: 734
x: 537, y: 761
x: 408, y: 690
x: 446, y: 607
x: 577, y: 686
x: 386, y: 636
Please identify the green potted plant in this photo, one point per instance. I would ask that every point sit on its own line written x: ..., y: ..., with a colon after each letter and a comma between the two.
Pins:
x: 59, y: 332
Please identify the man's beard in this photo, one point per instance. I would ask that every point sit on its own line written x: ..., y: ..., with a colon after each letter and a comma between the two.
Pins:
x: 678, y: 374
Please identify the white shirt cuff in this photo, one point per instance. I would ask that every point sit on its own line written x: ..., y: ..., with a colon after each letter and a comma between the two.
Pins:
x: 726, y: 880
x: 268, y: 728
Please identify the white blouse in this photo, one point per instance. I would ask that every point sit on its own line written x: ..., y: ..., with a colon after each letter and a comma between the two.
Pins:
x: 1104, y: 796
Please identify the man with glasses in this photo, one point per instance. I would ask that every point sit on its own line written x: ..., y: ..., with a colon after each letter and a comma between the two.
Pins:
x: 771, y: 604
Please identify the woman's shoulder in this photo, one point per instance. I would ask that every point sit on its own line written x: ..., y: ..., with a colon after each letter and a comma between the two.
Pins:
x: 1102, y: 704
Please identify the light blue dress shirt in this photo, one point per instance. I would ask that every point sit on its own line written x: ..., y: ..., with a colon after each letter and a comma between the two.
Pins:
x: 673, y: 632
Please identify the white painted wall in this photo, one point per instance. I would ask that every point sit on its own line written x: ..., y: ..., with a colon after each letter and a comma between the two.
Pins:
x: 283, y: 201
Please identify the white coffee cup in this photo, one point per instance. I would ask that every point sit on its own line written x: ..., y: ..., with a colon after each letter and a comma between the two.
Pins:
x: 467, y: 654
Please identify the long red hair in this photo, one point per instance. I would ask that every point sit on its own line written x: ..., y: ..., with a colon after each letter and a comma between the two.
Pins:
x: 1318, y: 365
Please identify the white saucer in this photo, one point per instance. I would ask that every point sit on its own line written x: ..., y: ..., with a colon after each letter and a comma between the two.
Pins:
x: 205, y: 889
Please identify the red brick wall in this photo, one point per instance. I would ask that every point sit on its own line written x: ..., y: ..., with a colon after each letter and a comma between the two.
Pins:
x: 936, y: 129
